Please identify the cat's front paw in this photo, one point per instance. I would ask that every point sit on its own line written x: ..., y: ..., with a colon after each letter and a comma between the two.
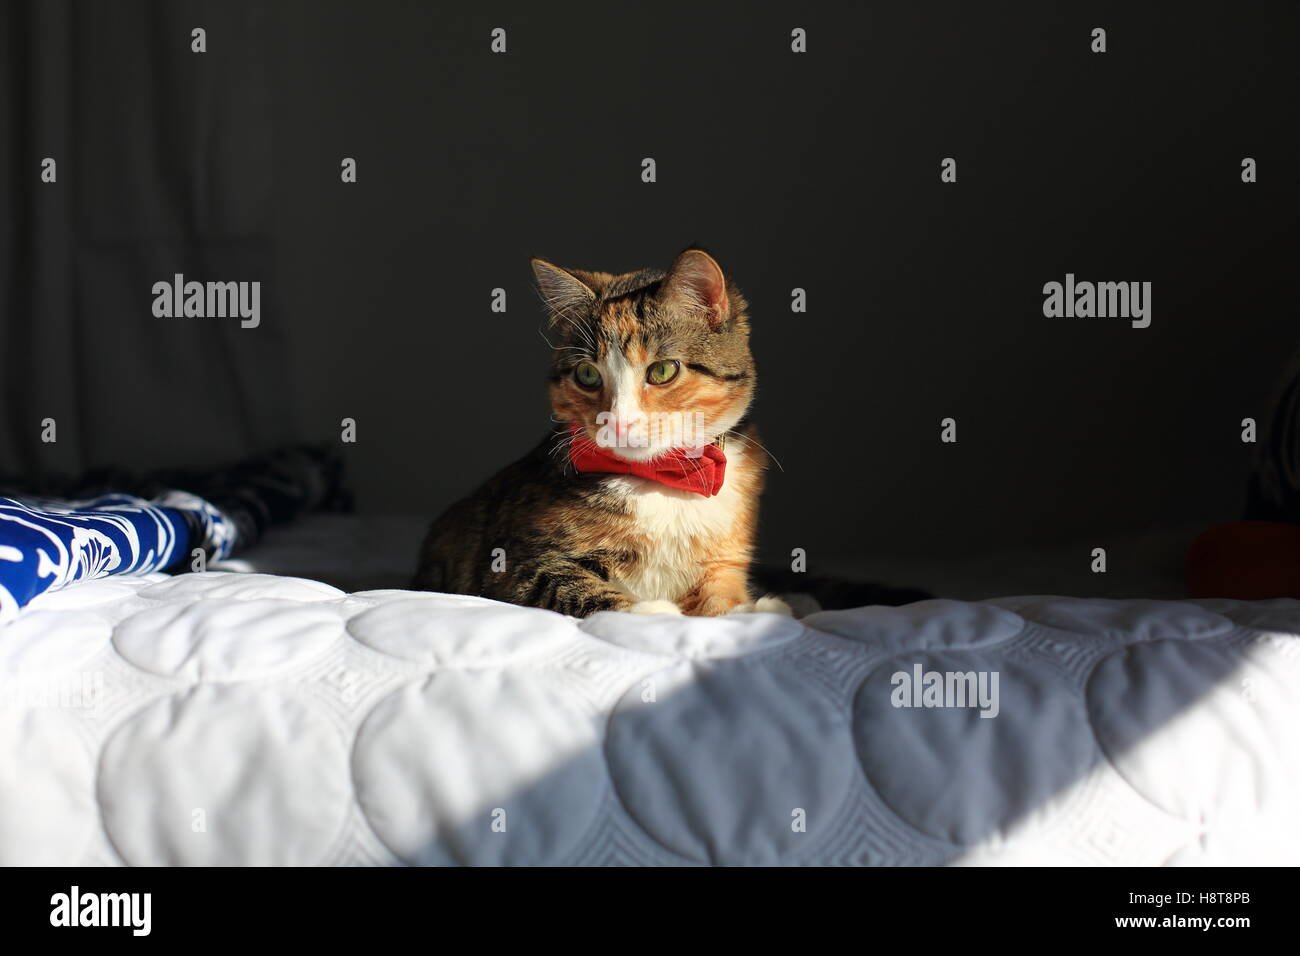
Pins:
x: 719, y: 604
x: 654, y: 607
x: 768, y: 604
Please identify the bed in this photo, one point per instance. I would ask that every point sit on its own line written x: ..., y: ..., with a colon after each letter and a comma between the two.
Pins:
x: 241, y: 717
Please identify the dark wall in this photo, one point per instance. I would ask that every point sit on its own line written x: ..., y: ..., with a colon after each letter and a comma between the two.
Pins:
x: 818, y: 171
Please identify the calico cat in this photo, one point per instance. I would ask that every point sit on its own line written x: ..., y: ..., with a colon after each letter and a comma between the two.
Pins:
x: 644, y: 497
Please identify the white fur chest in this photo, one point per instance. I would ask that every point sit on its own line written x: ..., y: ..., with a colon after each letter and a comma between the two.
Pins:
x: 677, y: 525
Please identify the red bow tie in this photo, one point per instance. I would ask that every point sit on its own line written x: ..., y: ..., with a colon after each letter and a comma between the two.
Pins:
x: 702, y: 473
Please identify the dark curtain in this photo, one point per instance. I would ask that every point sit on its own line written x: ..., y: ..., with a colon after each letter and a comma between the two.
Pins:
x: 164, y: 166
x: 1275, y: 480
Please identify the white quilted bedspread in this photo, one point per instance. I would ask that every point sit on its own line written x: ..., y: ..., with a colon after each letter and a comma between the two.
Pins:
x: 246, y: 718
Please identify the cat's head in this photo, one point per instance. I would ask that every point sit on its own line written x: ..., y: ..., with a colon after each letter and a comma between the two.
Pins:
x: 648, y: 362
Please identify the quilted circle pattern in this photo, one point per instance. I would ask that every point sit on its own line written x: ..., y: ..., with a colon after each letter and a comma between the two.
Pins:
x: 438, y: 631
x: 924, y: 625
x: 715, y: 761
x: 1140, y: 620
x: 224, y: 774
x: 483, y: 768
x: 698, y: 638
x: 47, y: 641
x: 954, y: 774
x: 244, y: 719
x: 1226, y: 765
x: 239, y: 587
x: 47, y: 803
x: 226, y: 640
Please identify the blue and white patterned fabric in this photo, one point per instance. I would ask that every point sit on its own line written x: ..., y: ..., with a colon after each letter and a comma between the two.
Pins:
x: 47, y: 543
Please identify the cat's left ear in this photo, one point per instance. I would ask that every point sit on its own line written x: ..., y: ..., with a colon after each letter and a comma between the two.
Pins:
x: 695, y: 283
x: 563, y: 291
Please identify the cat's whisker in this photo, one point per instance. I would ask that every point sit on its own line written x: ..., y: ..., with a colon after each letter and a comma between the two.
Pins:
x: 562, y: 441
x: 559, y: 311
x: 581, y: 328
x: 581, y: 350
x: 699, y: 464
x: 587, y: 340
x: 747, y: 438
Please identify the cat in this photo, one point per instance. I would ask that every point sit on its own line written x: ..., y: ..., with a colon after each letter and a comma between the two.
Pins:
x: 644, y: 497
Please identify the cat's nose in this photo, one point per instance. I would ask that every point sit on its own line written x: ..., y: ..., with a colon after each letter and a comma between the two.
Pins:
x: 627, y: 423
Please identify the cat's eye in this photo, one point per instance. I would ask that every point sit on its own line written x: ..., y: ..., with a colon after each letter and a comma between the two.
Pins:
x: 661, y: 373
x: 587, y: 375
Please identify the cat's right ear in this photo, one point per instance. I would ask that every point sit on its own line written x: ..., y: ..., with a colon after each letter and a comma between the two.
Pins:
x: 562, y: 291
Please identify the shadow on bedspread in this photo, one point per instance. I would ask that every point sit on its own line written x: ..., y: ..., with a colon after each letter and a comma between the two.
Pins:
x: 1125, y: 732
